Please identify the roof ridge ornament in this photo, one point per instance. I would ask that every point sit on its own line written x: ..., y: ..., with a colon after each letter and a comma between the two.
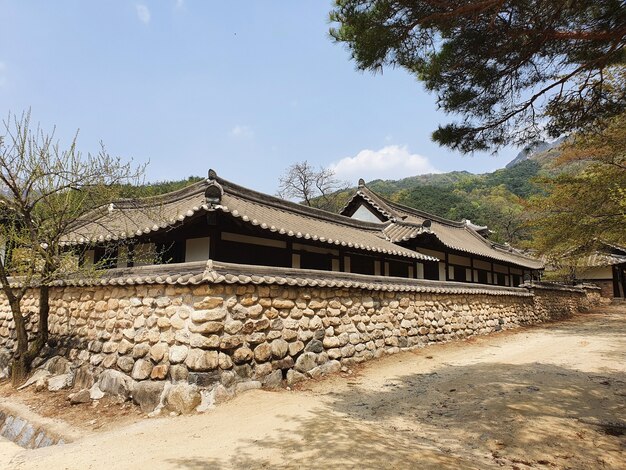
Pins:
x: 213, y: 193
x: 361, y: 183
x: 212, y: 174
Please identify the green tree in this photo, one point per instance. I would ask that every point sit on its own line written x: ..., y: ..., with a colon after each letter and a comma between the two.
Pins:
x: 502, y: 211
x: 43, y: 190
x: 160, y: 187
x: 506, y: 67
x: 439, y: 200
x: 585, y: 205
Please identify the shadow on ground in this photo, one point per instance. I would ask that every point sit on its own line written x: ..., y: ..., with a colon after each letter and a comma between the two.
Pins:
x: 477, y: 416
x: 491, y: 415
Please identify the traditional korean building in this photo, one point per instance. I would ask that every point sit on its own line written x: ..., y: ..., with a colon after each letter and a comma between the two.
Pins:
x: 605, y: 267
x: 463, y: 251
x: 219, y: 220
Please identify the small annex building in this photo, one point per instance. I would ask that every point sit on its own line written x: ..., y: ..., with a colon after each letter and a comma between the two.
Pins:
x: 219, y: 220
x: 605, y: 267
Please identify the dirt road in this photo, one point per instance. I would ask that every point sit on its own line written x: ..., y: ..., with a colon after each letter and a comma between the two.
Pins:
x: 544, y: 397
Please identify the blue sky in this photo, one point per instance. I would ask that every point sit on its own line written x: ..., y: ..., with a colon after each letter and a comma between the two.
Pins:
x: 246, y: 88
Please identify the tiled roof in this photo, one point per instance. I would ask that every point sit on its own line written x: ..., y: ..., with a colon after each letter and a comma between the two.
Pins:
x: 131, y: 218
x: 597, y: 253
x: 202, y: 272
x: 602, y: 259
x: 407, y: 224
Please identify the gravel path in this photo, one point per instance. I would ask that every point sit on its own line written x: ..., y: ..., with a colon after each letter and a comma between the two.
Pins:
x: 544, y: 397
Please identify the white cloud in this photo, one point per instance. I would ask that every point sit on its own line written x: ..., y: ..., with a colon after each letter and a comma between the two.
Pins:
x: 143, y: 13
x: 390, y: 162
x: 242, y: 132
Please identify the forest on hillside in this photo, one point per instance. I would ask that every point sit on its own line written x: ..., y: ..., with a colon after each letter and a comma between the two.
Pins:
x: 495, y: 199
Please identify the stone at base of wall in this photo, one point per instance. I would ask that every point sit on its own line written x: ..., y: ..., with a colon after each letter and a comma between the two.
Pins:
x: 220, y: 339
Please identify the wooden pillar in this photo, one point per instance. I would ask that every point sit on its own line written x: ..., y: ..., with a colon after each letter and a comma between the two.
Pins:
x: 493, y: 274
x: 619, y: 277
x: 510, y: 278
x: 131, y: 255
x: 289, y: 255
x: 447, y: 267
x: 472, y: 268
x: 214, y: 238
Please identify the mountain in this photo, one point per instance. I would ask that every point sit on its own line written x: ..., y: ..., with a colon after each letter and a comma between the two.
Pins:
x: 436, y: 179
x: 541, y: 150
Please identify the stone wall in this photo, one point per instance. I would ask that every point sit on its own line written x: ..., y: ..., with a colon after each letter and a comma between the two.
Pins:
x: 247, y: 335
x: 555, y: 300
x: 606, y: 286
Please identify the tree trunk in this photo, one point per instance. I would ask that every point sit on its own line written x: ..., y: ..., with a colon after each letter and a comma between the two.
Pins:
x: 19, y: 368
x: 19, y: 371
x: 42, y: 326
x: 26, y: 353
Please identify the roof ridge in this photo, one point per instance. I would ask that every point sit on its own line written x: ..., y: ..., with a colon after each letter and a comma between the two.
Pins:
x: 307, y: 211
x: 139, y: 202
x: 396, y: 207
x: 175, y: 195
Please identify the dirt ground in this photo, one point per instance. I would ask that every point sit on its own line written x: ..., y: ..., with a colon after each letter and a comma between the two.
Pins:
x: 101, y: 415
x: 552, y: 396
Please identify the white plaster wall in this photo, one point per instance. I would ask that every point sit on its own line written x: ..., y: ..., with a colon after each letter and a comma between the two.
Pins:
x: 420, y: 271
x: 363, y: 213
x: 90, y: 257
x: 600, y: 272
x: 295, y: 260
x: 197, y: 249
x: 122, y: 257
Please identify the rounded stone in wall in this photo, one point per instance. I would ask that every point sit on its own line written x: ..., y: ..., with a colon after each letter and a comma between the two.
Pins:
x: 280, y: 348
x: 306, y: 362
x: 263, y: 352
x: 201, y: 360
x: 178, y: 354
x: 125, y: 363
x: 242, y: 355
x: 141, y: 369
